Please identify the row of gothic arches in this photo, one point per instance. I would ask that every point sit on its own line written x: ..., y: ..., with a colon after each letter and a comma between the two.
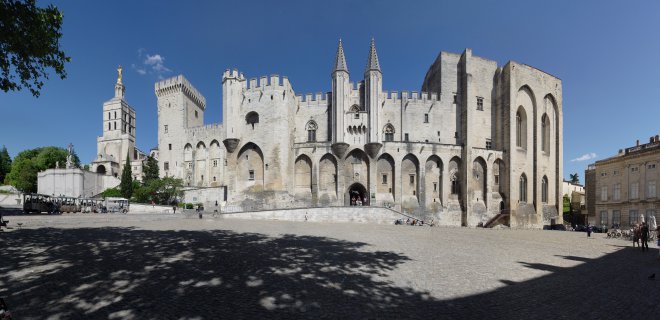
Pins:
x: 545, y: 126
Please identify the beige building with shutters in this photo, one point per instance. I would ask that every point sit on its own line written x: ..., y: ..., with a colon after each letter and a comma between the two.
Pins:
x: 625, y: 186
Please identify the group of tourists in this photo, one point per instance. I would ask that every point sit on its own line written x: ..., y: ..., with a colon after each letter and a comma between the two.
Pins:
x: 641, y: 235
x: 358, y: 201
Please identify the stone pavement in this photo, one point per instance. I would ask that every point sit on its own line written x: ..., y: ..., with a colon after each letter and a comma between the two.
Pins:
x: 179, y: 267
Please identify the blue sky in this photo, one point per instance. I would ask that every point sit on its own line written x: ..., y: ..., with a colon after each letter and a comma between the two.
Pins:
x: 607, y: 54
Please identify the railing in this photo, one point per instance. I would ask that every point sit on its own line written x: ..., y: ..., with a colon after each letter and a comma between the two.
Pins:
x: 236, y: 208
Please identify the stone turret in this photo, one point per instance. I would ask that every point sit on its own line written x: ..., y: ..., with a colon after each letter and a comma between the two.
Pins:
x: 340, y: 94
x: 373, y: 81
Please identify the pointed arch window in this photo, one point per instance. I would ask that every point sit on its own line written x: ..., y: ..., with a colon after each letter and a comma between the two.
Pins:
x: 355, y: 109
x: 521, y: 128
x: 545, y: 133
x: 523, y: 188
x: 455, y: 187
x: 389, y: 132
x: 311, y: 131
x: 544, y: 189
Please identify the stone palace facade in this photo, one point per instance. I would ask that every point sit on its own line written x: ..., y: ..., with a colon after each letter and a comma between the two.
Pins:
x: 477, y: 142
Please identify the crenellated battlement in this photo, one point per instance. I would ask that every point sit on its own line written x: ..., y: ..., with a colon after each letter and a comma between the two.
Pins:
x: 204, y: 128
x: 274, y: 81
x: 179, y: 84
x: 317, y: 98
x: 232, y: 74
x: 411, y: 96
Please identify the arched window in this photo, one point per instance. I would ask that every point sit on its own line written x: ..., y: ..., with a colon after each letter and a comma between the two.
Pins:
x: 311, y: 131
x: 545, y: 133
x: 455, y: 187
x: 544, y: 189
x: 252, y: 118
x: 523, y: 188
x: 521, y: 128
x: 389, y: 132
x: 355, y: 109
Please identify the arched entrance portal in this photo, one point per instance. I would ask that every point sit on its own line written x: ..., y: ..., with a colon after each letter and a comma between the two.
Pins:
x: 357, y: 195
x: 100, y: 169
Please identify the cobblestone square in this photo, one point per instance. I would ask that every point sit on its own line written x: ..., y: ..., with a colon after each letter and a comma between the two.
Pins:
x: 141, y: 266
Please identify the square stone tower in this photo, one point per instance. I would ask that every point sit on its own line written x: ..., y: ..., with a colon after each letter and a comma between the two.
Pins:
x: 118, y: 139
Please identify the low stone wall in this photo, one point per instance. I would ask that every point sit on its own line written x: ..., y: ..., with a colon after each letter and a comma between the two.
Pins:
x: 147, y: 208
x: 11, y: 199
x: 335, y: 214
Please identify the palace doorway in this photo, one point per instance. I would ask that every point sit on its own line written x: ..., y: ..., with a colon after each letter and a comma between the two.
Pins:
x: 357, y: 195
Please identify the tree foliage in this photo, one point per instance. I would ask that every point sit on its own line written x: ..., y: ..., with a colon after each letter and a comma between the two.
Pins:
x: 126, y: 185
x: 111, y: 192
x: 161, y: 191
x: 151, y: 171
x: 28, y: 163
x: 574, y: 178
x: 29, y: 45
x: 5, y: 163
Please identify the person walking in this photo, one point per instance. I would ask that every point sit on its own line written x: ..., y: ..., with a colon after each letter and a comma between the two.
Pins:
x: 645, y: 236
x: 657, y: 237
x: 636, y: 233
x: 589, y: 229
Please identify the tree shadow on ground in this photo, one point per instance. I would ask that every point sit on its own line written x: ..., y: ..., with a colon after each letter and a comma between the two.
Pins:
x: 124, y: 273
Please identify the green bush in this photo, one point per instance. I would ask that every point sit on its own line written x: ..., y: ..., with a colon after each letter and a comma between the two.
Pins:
x: 189, y: 205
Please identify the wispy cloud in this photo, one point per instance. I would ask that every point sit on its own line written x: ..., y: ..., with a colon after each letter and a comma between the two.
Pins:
x: 585, y: 157
x: 151, y: 64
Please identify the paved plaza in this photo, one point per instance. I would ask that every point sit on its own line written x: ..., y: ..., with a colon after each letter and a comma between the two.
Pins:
x: 149, y: 266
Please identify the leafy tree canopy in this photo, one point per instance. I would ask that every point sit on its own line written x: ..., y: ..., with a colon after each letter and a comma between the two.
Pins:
x: 28, y: 163
x: 126, y: 184
x: 5, y: 163
x: 29, y: 45
x: 111, y: 192
x: 151, y: 171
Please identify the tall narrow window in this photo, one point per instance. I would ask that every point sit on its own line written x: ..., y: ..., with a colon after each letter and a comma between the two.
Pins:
x: 634, y: 190
x: 251, y: 175
x: 616, y: 218
x: 165, y: 128
x: 426, y: 118
x: 650, y: 189
x: 603, y: 218
x: 311, y: 131
x: 480, y: 103
x: 406, y: 137
x: 109, y: 126
x: 633, y: 217
x: 384, y: 179
x: 603, y: 193
x: 545, y: 133
x: 389, y: 132
x: 544, y: 189
x: 616, y: 195
x: 166, y: 166
x: 518, y: 130
x: 523, y: 188
x: 455, y: 187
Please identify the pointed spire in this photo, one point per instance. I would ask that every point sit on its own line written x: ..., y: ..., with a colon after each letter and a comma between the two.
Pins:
x: 340, y: 61
x: 372, y: 62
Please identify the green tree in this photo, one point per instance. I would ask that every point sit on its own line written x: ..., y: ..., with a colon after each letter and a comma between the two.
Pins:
x: 111, y: 192
x: 29, y: 45
x: 5, y: 163
x: 150, y: 170
x: 574, y: 178
x: 28, y: 163
x: 126, y: 184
